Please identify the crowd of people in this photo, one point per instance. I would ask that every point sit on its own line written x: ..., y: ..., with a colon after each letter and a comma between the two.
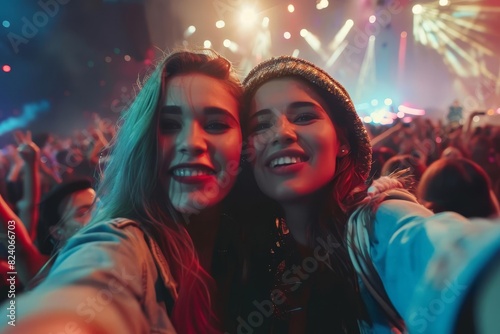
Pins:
x: 261, y: 206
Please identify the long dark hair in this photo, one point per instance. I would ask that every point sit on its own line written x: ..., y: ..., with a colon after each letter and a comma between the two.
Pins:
x: 344, y: 192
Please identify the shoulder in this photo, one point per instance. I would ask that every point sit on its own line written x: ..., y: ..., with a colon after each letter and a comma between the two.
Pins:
x: 112, y: 244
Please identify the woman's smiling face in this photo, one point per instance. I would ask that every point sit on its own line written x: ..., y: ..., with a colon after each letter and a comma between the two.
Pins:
x: 293, y: 138
x: 200, y: 139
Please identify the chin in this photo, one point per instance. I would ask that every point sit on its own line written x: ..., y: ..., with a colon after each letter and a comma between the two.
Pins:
x: 284, y: 194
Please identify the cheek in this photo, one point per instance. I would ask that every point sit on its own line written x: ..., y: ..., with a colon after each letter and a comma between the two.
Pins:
x: 166, y: 149
x: 228, y: 151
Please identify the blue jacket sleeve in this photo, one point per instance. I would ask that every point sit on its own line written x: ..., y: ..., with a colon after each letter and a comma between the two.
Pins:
x: 428, y: 263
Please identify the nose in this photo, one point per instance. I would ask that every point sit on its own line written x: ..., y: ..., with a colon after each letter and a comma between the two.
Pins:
x: 191, y: 140
x: 284, y: 132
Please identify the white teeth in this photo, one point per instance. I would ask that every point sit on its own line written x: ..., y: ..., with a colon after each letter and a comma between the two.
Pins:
x: 190, y: 172
x: 285, y: 161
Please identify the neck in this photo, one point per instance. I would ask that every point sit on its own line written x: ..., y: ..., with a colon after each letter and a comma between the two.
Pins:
x: 299, y: 216
x: 203, y: 228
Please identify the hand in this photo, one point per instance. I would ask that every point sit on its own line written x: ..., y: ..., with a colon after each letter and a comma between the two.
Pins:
x: 383, y: 184
x: 27, y: 149
x: 13, y: 156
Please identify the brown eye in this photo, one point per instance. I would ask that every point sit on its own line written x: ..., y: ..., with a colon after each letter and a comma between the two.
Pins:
x: 169, y: 125
x: 305, y: 118
x: 216, y: 127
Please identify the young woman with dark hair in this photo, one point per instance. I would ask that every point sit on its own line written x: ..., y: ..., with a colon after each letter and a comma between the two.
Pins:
x: 346, y: 258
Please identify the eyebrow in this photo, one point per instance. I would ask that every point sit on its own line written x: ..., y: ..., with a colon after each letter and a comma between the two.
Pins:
x: 209, y: 111
x: 293, y: 105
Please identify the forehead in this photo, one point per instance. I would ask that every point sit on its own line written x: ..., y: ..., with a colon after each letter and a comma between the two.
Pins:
x: 279, y: 93
x: 194, y: 91
x: 83, y: 197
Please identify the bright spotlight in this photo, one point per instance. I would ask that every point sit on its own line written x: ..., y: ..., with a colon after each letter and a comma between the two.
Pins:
x: 387, y: 102
x: 291, y: 8
x: 265, y: 22
x: 372, y: 19
x: 443, y: 2
x: 189, y: 31
x: 367, y: 119
x: 417, y: 9
x: 311, y: 39
x: 372, y: 38
x: 287, y: 35
x: 248, y: 17
x: 374, y: 102
x: 400, y: 114
x: 220, y: 24
x: 226, y: 43
x: 207, y: 44
x: 296, y: 54
x: 476, y: 119
x: 321, y: 4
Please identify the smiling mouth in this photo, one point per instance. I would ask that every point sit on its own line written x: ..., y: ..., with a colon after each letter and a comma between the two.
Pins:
x: 192, y: 171
x: 286, y: 161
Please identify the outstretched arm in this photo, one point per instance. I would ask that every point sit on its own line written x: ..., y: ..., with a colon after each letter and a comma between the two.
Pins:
x: 29, y: 260
x: 28, y: 205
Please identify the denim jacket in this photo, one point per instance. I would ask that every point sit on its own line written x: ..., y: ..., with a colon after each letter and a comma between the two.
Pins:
x: 111, y: 275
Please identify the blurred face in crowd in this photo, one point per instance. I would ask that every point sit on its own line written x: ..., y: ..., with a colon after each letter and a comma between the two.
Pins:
x: 200, y: 140
x: 76, y: 211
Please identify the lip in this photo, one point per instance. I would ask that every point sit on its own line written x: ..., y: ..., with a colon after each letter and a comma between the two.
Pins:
x: 286, y: 153
x: 288, y: 169
x: 193, y: 179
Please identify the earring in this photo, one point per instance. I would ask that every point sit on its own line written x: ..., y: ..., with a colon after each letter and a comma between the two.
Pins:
x: 343, y: 152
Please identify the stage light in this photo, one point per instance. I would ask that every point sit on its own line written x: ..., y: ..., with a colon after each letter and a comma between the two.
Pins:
x: 476, y: 119
x: 372, y: 19
x: 400, y: 114
x: 417, y: 9
x: 265, y: 22
x: 404, y: 34
x: 341, y: 35
x: 311, y: 39
x: 189, y: 31
x: 374, y: 102
x: 6, y: 23
x: 367, y: 119
x: 207, y: 44
x: 248, y: 17
x: 127, y: 58
x: 443, y: 2
x: 490, y: 112
x: 6, y: 68
x: 411, y: 111
x: 220, y: 24
x: 321, y: 4
x: 388, y: 102
x: 230, y: 45
x: 291, y: 8
x: 107, y: 59
x: 287, y: 35
x: 296, y: 52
